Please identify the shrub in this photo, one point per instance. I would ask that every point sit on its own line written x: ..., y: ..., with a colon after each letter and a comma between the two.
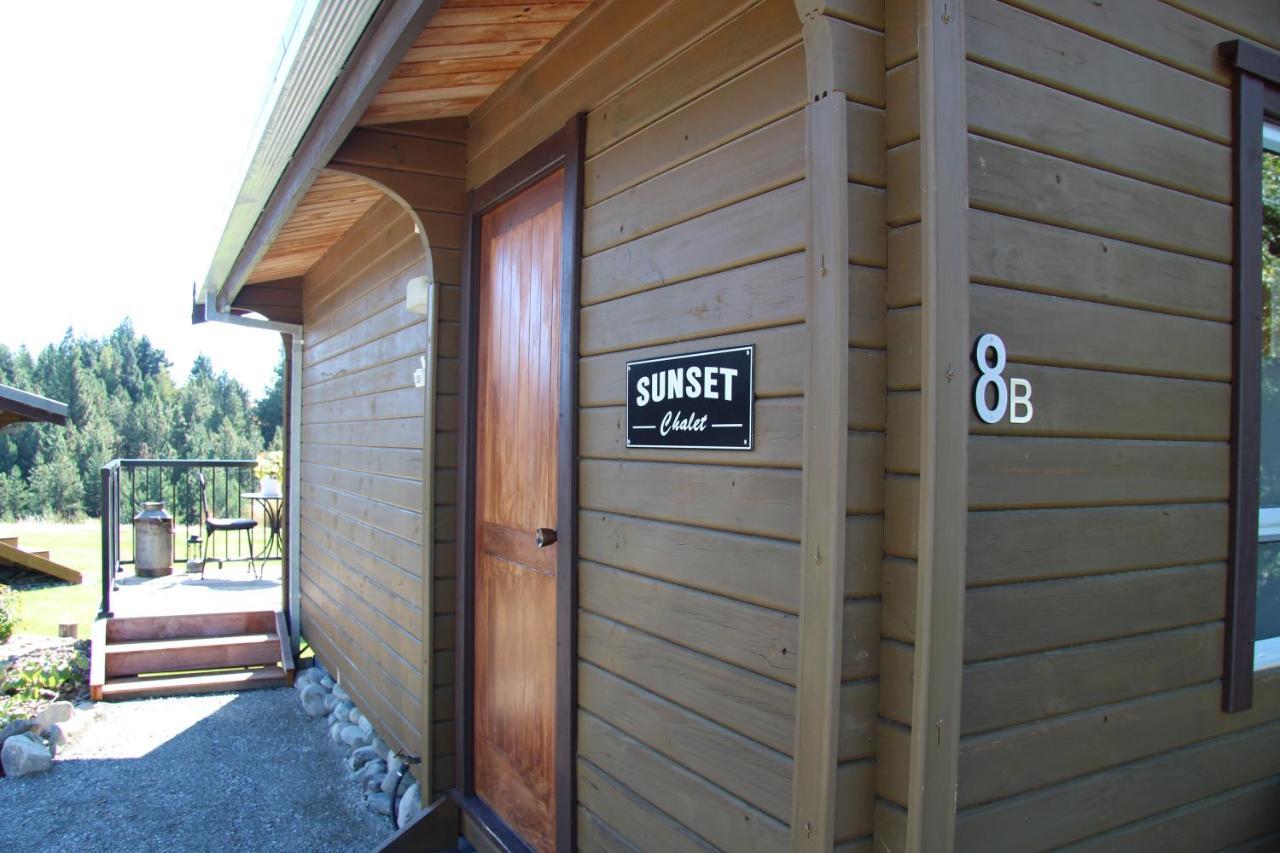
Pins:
x: 8, y: 612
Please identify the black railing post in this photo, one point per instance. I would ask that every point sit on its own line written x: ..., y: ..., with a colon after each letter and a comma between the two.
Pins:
x: 105, y: 499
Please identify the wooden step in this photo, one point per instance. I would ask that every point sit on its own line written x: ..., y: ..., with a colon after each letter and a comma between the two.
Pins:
x: 229, y: 681
x: 39, y: 562
x: 11, y: 541
x: 181, y: 655
x: 43, y: 555
x: 184, y: 626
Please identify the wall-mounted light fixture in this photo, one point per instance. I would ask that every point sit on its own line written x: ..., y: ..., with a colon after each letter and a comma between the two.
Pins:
x: 417, y: 294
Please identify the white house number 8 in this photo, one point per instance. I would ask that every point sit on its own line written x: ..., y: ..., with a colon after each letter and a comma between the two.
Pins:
x: 1013, y: 397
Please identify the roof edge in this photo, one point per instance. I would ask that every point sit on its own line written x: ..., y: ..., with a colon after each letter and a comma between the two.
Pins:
x: 32, y: 407
x: 315, y: 47
x: 386, y: 37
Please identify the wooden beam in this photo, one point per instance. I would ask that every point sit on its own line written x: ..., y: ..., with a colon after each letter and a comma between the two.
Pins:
x: 939, y: 650
x: 390, y: 33
x: 823, y: 486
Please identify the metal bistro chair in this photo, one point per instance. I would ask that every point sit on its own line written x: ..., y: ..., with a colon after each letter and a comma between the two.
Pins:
x: 226, y: 525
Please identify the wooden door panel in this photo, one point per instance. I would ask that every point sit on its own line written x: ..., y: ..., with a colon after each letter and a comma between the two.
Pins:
x: 517, y: 404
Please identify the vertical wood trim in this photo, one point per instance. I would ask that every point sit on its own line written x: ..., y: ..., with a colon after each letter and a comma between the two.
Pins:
x: 574, y: 141
x: 427, y: 662
x: 826, y: 442
x: 293, y: 468
x: 1246, y: 395
x: 931, y: 802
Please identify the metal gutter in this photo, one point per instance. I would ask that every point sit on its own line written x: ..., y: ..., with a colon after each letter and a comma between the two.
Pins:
x: 351, y: 80
x: 314, y: 49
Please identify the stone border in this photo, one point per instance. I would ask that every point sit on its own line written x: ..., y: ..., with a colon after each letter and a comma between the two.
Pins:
x: 374, y: 766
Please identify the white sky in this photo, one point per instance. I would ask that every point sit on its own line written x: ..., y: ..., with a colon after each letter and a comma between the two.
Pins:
x: 124, y: 127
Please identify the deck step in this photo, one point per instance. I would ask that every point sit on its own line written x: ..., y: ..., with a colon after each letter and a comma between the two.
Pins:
x: 180, y: 655
x: 135, y: 687
x: 11, y: 541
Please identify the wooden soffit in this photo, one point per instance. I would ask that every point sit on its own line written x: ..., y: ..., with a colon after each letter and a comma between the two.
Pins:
x: 467, y: 50
x: 334, y: 203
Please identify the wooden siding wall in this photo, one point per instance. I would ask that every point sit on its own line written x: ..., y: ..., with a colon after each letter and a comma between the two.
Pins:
x: 693, y: 238
x: 902, y: 414
x: 362, y: 435
x: 1100, y: 170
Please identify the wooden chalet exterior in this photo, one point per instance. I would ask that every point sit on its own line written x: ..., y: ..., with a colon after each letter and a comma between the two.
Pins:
x: 891, y: 624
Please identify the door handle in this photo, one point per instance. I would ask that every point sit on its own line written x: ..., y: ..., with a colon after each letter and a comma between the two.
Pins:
x: 544, y: 536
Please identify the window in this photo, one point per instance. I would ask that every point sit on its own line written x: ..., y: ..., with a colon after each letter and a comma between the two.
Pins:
x: 1253, y: 560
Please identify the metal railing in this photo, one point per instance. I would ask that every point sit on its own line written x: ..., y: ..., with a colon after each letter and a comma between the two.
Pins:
x: 128, y: 483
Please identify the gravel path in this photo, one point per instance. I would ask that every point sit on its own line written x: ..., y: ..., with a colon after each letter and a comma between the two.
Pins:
x: 226, y: 772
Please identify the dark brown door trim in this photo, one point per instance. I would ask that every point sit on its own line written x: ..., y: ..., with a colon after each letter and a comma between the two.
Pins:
x: 564, y: 151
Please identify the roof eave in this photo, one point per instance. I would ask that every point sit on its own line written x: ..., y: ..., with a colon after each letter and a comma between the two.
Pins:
x: 318, y: 120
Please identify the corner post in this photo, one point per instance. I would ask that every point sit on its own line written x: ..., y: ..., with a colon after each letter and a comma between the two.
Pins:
x: 826, y: 419
x: 293, y: 423
x: 940, y: 591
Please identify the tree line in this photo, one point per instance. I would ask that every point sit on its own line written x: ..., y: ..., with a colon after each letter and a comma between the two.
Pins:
x: 122, y: 403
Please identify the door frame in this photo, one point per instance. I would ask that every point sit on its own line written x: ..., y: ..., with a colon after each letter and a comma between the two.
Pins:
x: 563, y: 150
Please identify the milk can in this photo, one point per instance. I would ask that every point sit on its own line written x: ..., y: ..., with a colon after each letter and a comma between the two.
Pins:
x: 153, y: 541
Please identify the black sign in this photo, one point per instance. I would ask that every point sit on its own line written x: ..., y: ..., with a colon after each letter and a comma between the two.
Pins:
x: 699, y: 400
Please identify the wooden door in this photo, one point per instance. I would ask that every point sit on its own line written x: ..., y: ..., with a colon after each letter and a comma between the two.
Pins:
x: 516, y: 463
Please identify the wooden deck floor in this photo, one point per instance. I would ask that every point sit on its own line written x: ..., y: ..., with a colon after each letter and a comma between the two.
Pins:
x: 232, y: 587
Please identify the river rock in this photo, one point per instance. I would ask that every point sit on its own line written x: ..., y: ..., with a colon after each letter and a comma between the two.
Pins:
x: 379, y: 803
x: 313, y: 700
x: 341, y: 692
x: 363, y: 756
x: 393, y: 769
x: 409, y: 806
x: 16, y: 727
x: 372, y: 780
x: 22, y: 755
x: 342, y: 711
x: 335, y: 732
x: 379, y: 746
x: 327, y: 683
x: 55, y: 712
x: 352, y: 736
x: 366, y: 727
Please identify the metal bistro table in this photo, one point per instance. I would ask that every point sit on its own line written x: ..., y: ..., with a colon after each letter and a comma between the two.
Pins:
x: 271, y: 513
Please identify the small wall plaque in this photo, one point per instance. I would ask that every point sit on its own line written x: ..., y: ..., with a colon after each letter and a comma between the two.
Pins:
x: 702, y: 400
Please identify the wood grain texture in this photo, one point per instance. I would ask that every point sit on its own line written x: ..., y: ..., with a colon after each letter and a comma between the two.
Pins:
x: 1018, y: 182
x: 1046, y: 472
x: 1011, y: 39
x: 516, y: 471
x: 1037, y: 686
x: 1040, y: 544
x: 1032, y: 256
x: 465, y: 52
x: 1137, y: 790
x: 1021, y: 112
x: 1038, y: 754
x: 1057, y: 331
x: 1149, y: 27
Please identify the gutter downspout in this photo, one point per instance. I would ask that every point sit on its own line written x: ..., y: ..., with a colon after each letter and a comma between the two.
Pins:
x: 294, y: 333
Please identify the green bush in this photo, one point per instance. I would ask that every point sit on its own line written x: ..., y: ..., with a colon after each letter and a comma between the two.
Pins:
x: 8, y: 612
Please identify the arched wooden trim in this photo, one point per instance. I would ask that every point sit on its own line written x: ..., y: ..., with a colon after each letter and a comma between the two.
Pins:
x: 424, y: 772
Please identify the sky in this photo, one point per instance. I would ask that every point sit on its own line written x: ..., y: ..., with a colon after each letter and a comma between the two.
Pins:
x: 125, y: 127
